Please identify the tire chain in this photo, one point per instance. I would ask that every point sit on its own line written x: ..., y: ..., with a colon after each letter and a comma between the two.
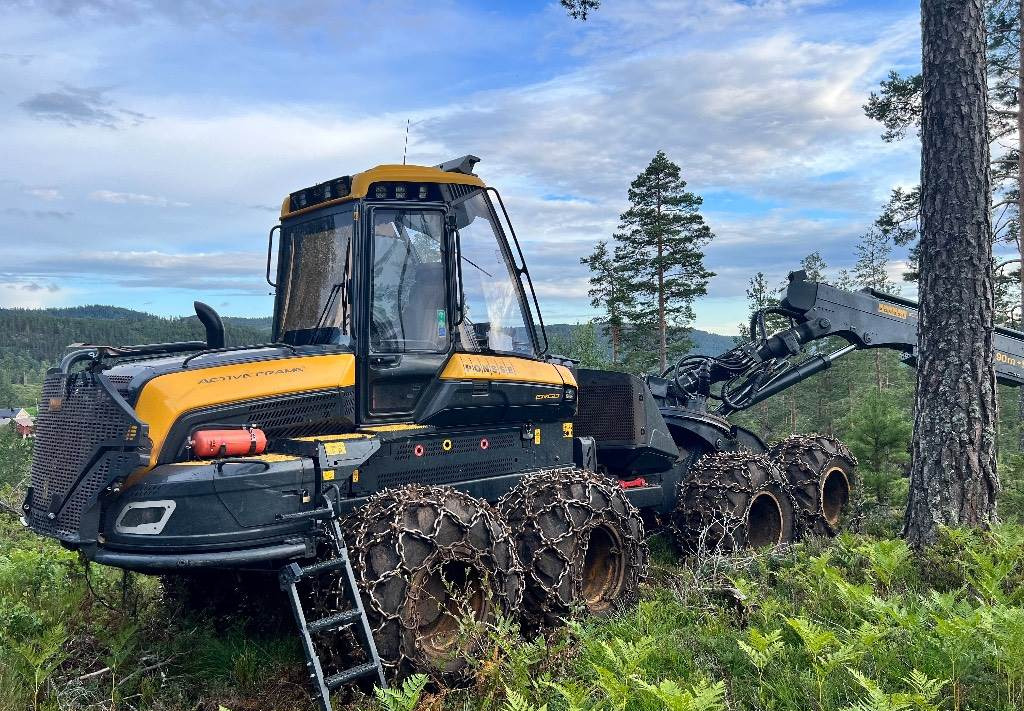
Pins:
x: 548, y: 510
x: 801, y: 471
x: 715, y: 499
x: 414, y: 529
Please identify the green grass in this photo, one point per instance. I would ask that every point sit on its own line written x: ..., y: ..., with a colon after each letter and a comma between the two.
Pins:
x: 854, y: 623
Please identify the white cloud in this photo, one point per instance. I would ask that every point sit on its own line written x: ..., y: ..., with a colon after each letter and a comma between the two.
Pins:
x: 29, y: 294
x: 758, y: 101
x: 48, y: 194
x: 117, y: 198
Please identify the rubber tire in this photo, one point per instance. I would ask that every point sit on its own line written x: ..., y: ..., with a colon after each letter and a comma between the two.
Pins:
x: 723, y: 494
x: 577, y: 535
x: 399, y: 541
x: 804, y: 461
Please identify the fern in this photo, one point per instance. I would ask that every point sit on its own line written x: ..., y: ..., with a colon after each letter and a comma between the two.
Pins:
x: 887, y: 559
x: 826, y: 651
x: 576, y: 696
x: 41, y: 657
x: 700, y: 697
x: 761, y: 649
x: 923, y: 695
x: 514, y: 701
x: 403, y: 698
x: 617, y: 664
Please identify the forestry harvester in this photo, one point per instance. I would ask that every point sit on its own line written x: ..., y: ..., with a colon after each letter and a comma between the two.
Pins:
x: 406, y: 454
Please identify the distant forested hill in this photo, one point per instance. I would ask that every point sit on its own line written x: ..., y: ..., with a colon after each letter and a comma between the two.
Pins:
x: 704, y: 343
x: 31, y: 340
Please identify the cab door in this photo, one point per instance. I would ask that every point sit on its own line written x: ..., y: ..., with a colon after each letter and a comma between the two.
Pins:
x: 408, y: 338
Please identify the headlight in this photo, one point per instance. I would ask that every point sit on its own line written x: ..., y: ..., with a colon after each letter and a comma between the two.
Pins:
x: 146, y: 518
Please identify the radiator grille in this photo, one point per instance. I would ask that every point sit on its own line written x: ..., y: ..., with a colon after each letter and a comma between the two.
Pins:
x: 302, y: 416
x: 66, y: 436
x: 607, y: 407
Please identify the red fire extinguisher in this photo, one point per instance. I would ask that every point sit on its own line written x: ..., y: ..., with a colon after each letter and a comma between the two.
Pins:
x: 229, y: 443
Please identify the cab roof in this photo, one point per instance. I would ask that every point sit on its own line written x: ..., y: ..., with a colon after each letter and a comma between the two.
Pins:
x: 357, y: 186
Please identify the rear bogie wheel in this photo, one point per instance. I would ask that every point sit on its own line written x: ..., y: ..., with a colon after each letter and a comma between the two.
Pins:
x: 434, y: 566
x: 581, y: 542
x: 819, y: 470
x: 733, y: 500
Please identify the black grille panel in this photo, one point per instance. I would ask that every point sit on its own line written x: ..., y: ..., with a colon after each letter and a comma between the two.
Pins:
x: 120, y: 383
x: 458, y: 190
x: 609, y: 406
x: 66, y: 437
x: 452, y: 472
x: 300, y: 417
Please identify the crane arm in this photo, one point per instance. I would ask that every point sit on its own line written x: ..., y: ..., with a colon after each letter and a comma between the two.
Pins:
x: 752, y: 372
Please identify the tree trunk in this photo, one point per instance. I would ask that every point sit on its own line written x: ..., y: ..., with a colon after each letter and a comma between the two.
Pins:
x: 663, y: 343
x: 953, y: 478
x: 1020, y: 198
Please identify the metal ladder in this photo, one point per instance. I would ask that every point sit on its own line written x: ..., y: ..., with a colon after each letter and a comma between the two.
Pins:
x: 290, y: 576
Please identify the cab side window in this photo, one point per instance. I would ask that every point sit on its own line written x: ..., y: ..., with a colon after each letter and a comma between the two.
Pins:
x: 409, y: 295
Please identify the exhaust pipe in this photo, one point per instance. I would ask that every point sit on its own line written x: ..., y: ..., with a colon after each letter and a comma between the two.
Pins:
x: 212, y: 323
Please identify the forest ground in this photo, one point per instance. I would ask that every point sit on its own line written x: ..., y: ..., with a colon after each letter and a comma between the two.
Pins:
x: 857, y: 622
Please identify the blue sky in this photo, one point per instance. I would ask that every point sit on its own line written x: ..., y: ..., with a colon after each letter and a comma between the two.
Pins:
x: 147, y: 145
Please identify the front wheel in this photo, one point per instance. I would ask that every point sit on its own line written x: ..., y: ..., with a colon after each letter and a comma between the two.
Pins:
x: 433, y: 565
x: 580, y: 540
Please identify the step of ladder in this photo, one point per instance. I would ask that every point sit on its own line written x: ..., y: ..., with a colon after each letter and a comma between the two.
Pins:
x: 290, y: 576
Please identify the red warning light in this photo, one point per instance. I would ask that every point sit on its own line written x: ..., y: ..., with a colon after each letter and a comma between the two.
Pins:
x: 484, y: 444
x: 418, y: 450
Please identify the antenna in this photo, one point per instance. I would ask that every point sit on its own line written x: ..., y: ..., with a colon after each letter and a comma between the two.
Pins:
x: 405, y: 150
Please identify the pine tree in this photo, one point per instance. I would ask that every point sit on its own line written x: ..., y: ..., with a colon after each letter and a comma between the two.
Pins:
x: 759, y: 296
x: 897, y: 106
x: 580, y: 9
x: 953, y: 478
x: 608, y: 292
x: 877, y: 430
x: 872, y: 267
x: 814, y: 266
x: 661, y: 236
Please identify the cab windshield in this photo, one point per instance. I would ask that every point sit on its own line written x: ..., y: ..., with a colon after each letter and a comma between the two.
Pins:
x: 494, y: 317
x: 313, y: 279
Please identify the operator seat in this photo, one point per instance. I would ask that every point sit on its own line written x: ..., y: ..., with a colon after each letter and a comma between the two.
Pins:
x: 424, y: 298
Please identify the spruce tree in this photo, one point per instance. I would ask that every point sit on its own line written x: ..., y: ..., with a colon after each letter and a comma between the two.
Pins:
x: 871, y: 269
x: 661, y: 236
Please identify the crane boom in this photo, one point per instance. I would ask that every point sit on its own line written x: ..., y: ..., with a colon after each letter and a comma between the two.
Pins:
x: 865, y: 319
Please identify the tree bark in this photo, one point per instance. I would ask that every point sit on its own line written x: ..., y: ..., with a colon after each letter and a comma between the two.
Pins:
x: 1020, y: 198
x: 662, y: 335
x: 953, y: 478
